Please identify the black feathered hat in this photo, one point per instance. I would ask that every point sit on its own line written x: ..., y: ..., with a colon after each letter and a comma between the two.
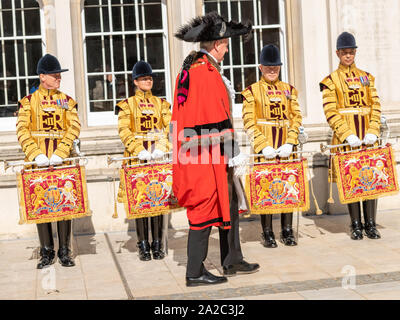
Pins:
x: 346, y: 41
x: 49, y: 64
x: 211, y: 27
x: 270, y: 56
x: 141, y: 69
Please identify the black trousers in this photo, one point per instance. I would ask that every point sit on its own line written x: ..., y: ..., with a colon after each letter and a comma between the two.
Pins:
x: 142, y: 228
x: 369, y: 210
x: 46, y: 234
x: 286, y: 221
x: 229, y: 242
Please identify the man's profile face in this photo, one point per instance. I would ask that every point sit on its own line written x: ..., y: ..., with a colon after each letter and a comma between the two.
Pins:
x: 271, y: 73
x: 51, y: 81
x: 346, y: 56
x: 221, y: 48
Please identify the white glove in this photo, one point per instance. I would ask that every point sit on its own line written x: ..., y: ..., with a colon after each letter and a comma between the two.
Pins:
x: 285, y: 150
x: 42, y: 160
x: 55, y: 160
x: 353, y: 141
x: 157, y: 154
x: 269, y: 152
x: 370, y: 138
x: 240, y: 160
x: 144, y: 155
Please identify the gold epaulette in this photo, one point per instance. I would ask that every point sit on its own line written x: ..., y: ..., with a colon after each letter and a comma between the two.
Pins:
x: 248, y: 94
x: 328, y: 83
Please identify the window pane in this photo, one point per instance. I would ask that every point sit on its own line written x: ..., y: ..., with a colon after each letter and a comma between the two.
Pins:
x: 159, y: 85
x: 210, y: 6
x: 8, y: 23
x: 153, y: 16
x: 236, y: 50
x: 120, y: 87
x: 129, y: 18
x: 1, y: 63
x: 269, y: 12
x: 10, y: 58
x: 131, y: 51
x: 12, y: 91
x: 31, y: 4
x: 34, y: 53
x: 155, y: 50
x: 92, y: 19
x: 32, y: 22
x: 101, y: 106
x: 116, y: 19
x: 247, y: 10
x: 250, y: 76
x: 94, y: 54
x: 270, y: 36
x: 118, y: 53
x: 2, y: 93
x: 96, y: 88
x: 248, y: 52
x: 21, y: 65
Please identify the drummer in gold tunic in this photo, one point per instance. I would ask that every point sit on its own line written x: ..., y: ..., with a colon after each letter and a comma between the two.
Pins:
x: 272, y: 117
x: 47, y: 125
x: 353, y: 111
x: 143, y: 126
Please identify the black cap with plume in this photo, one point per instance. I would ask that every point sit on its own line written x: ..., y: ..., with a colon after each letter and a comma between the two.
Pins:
x: 211, y: 27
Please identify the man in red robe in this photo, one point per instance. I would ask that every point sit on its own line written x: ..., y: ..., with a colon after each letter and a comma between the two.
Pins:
x: 205, y: 150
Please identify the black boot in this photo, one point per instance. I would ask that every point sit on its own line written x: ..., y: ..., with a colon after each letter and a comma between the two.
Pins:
x: 142, y: 231
x: 144, y: 250
x: 64, y: 255
x: 46, y: 257
x: 47, y: 252
x: 156, y: 231
x: 287, y: 236
x: 156, y: 248
x: 267, y: 236
x: 268, y: 239
x: 64, y: 239
x: 356, y: 225
x: 369, y: 209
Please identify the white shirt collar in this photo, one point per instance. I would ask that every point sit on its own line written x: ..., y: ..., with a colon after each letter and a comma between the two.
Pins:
x: 209, y: 54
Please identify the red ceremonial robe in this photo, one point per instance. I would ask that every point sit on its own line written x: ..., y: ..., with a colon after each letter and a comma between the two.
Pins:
x: 200, y: 180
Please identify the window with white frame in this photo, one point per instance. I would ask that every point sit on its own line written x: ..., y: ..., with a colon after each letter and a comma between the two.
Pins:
x: 117, y: 34
x: 241, y: 63
x: 21, y: 47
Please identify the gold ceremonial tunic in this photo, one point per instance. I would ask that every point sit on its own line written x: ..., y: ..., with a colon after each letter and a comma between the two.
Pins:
x: 271, y: 114
x: 47, y: 123
x: 351, y: 104
x: 143, y: 123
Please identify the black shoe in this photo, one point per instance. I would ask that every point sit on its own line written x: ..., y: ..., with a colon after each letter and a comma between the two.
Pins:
x: 241, y: 267
x: 65, y: 257
x: 156, y: 249
x: 268, y: 239
x: 371, y: 231
x: 46, y: 258
x: 287, y: 237
x: 144, y: 250
x: 205, y: 279
x: 356, y: 231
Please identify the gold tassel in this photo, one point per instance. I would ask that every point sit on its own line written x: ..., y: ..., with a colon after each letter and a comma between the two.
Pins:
x: 318, y: 210
x: 115, y: 215
x: 330, y: 200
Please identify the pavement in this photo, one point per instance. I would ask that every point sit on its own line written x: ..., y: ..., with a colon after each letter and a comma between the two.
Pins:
x: 326, y: 265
